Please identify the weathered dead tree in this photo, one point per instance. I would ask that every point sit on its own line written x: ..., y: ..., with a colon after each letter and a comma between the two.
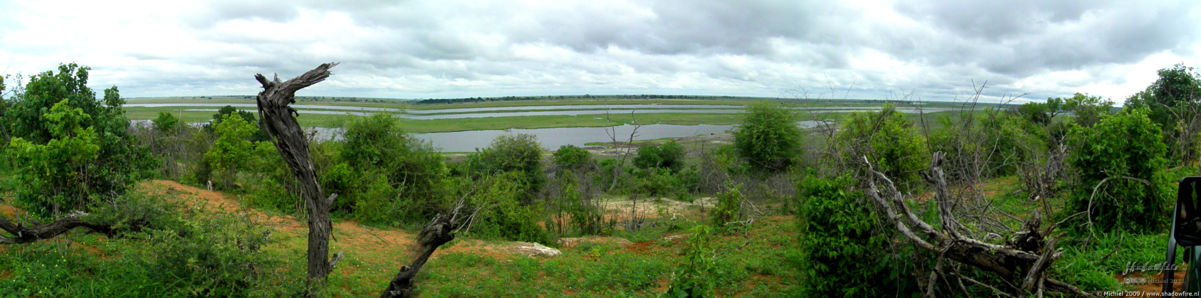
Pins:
x: 26, y: 234
x: 280, y: 122
x: 440, y: 230
x: 1022, y: 263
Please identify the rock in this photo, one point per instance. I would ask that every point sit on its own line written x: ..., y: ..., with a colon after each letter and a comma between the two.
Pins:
x: 671, y: 238
x: 535, y: 250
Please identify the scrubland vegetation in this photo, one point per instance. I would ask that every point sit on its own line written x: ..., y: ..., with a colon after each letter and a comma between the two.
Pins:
x: 774, y: 211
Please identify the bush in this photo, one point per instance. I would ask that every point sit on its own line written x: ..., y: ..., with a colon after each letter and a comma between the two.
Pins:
x: 74, y: 149
x: 844, y: 253
x: 572, y: 157
x: 768, y: 138
x: 411, y: 170
x: 503, y: 215
x: 211, y: 255
x: 1120, y: 147
x: 889, y: 140
x: 232, y: 149
x: 669, y: 155
x: 728, y: 209
x: 694, y: 279
x: 514, y: 153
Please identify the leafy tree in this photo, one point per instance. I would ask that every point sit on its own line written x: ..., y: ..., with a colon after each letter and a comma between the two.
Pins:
x: 1174, y: 101
x: 1173, y: 91
x: 410, y: 168
x: 1087, y: 110
x: 1125, y: 151
x: 165, y: 122
x: 53, y: 177
x: 768, y: 137
x: 514, y: 153
x: 889, y: 140
x: 118, y: 161
x: 572, y: 157
x: 842, y: 252
x: 669, y: 156
x: 231, y: 151
x: 259, y: 133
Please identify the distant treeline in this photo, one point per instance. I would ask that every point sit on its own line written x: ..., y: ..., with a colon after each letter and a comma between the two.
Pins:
x: 575, y: 97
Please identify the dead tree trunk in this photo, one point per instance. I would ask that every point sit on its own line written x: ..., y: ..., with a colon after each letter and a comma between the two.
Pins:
x: 26, y: 234
x: 440, y: 230
x: 1022, y: 262
x: 280, y: 122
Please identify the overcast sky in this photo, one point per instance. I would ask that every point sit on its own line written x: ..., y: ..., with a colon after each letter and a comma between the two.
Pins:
x: 931, y: 50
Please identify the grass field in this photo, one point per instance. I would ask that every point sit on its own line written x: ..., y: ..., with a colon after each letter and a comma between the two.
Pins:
x: 444, y: 125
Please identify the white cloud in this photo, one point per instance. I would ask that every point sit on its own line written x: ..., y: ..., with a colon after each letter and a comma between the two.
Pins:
x: 864, y: 49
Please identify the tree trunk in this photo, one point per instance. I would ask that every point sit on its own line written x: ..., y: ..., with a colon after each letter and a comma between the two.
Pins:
x: 280, y: 123
x: 24, y: 234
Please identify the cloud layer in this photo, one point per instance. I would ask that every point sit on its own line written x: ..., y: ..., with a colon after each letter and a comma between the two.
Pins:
x: 931, y: 50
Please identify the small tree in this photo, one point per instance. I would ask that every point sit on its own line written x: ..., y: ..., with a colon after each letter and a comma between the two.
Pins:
x: 1116, y: 164
x: 768, y: 137
x: 572, y: 157
x: 520, y: 153
x: 669, y: 156
x: 889, y: 140
x: 841, y: 248
x: 165, y: 123
x: 54, y: 176
x: 231, y: 151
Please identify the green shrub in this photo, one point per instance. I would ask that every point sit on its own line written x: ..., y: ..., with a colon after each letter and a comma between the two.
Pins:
x: 841, y: 252
x: 694, y: 279
x: 1125, y: 149
x: 728, y: 209
x: 412, y: 169
x: 669, y: 155
x: 68, y: 148
x: 503, y: 215
x: 514, y: 153
x: 889, y: 140
x: 768, y: 138
x: 211, y: 255
x: 572, y: 157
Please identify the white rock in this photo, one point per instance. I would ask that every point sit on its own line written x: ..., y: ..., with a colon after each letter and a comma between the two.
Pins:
x: 535, y: 250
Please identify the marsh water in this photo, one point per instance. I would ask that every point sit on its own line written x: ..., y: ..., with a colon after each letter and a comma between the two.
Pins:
x: 552, y: 138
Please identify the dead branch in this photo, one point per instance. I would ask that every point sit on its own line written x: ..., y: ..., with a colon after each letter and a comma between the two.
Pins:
x: 440, y: 230
x: 26, y: 234
x: 1009, y: 262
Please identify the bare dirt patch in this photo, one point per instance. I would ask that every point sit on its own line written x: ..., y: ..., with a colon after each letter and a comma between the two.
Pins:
x: 568, y: 243
x: 622, y: 210
x: 1144, y: 283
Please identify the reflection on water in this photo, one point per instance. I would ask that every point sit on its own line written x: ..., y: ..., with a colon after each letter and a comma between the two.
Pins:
x: 552, y: 138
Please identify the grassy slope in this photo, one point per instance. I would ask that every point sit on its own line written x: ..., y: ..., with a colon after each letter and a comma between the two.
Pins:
x: 93, y: 265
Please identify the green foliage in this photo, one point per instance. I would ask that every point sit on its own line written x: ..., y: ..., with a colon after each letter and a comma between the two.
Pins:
x: 503, y: 215
x: 769, y: 137
x: 728, y: 209
x: 572, y: 157
x: 889, y: 140
x: 669, y: 156
x: 1124, y: 150
x: 410, y: 185
x: 165, y: 122
x: 53, y: 177
x: 841, y: 251
x: 694, y: 278
x: 514, y: 153
x: 1087, y: 110
x: 207, y: 255
x: 1172, y: 92
x: 72, y: 146
x: 231, y: 151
